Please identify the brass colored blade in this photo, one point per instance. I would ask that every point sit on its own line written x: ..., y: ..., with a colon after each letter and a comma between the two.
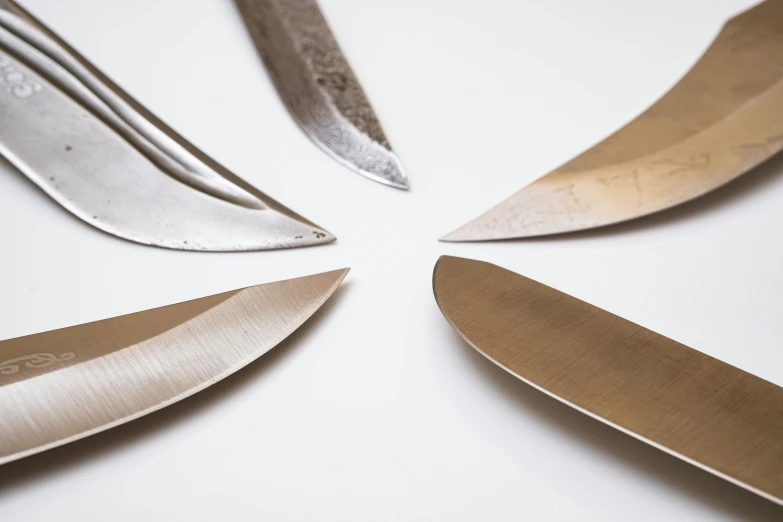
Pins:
x: 319, y: 88
x: 722, y: 119
x: 60, y: 386
x: 666, y: 394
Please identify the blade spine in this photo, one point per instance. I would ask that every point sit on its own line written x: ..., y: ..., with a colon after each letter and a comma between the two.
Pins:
x: 581, y: 409
x: 344, y: 272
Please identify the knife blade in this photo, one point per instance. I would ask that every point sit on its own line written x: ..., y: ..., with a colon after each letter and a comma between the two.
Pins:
x: 679, y: 400
x: 318, y: 86
x: 109, y: 161
x: 63, y: 385
x: 721, y: 120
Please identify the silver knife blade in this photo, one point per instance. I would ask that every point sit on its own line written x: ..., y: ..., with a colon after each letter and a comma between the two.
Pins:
x: 106, y: 159
x: 319, y: 88
x: 63, y: 385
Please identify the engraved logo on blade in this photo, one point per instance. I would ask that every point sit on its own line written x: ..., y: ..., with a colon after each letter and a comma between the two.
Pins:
x: 38, y: 360
x: 13, y: 81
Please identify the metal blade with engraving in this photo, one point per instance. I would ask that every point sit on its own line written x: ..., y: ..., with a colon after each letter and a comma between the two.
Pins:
x: 721, y: 120
x: 109, y: 161
x: 63, y: 385
x: 319, y: 88
x: 679, y: 400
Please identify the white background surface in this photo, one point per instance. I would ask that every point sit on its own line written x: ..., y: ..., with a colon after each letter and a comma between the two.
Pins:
x: 375, y: 409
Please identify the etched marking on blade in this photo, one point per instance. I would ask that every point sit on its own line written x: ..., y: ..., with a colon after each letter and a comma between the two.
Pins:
x: 14, y: 81
x: 719, y: 122
x: 36, y: 361
x: 131, y: 365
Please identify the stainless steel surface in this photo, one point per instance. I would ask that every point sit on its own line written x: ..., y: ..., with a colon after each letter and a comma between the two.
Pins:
x: 697, y: 408
x: 318, y: 86
x: 721, y: 120
x: 63, y: 385
x: 110, y: 162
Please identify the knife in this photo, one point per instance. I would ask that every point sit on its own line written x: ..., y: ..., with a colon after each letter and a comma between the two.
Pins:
x: 699, y: 409
x: 63, y: 385
x: 721, y: 120
x: 319, y: 88
x: 109, y: 161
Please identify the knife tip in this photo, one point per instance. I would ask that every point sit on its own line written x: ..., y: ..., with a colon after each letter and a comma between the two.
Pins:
x: 463, y: 234
x: 386, y: 169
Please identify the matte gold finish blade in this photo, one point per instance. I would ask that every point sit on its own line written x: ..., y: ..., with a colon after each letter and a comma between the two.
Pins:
x: 673, y: 397
x: 722, y: 119
x: 60, y: 386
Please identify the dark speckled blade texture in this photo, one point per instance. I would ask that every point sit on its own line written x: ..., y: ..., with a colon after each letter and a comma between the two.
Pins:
x: 318, y: 86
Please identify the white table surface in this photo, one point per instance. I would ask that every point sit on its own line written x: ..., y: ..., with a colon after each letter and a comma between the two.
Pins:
x: 376, y: 409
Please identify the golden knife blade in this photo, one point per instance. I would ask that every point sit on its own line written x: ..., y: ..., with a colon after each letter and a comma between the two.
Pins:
x: 721, y: 120
x: 63, y: 385
x: 677, y: 399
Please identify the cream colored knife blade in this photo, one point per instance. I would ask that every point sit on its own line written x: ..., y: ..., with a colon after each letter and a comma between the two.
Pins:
x: 63, y: 385
x: 684, y: 402
x: 721, y: 120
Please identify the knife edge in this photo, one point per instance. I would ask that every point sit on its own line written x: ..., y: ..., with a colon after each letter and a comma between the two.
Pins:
x: 759, y: 424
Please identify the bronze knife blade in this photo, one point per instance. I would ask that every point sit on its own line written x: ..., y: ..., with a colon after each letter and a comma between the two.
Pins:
x: 675, y: 398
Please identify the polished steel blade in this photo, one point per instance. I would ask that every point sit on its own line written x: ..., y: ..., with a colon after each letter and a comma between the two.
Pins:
x: 60, y: 386
x: 722, y: 119
x: 666, y: 394
x: 110, y: 162
x: 318, y: 86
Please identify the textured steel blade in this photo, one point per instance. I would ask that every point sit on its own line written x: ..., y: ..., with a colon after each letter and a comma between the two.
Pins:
x: 60, y: 386
x: 666, y: 394
x: 719, y: 121
x: 319, y: 88
x: 110, y: 162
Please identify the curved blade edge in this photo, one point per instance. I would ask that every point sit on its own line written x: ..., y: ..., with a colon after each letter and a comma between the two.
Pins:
x: 718, y: 122
x: 110, y: 162
x: 468, y: 291
x: 58, y: 391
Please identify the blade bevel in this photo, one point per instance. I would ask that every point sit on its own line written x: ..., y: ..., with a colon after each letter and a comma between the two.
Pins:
x: 697, y: 408
x: 63, y: 385
x: 318, y: 86
x: 117, y: 167
x: 714, y: 125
